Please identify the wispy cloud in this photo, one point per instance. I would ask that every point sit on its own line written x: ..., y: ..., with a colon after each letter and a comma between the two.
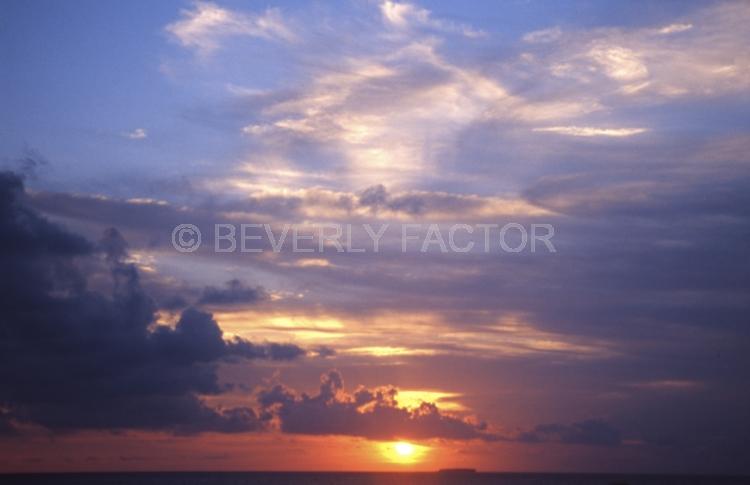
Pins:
x: 394, y: 106
x: 675, y: 28
x: 619, y: 62
x: 707, y: 58
x: 204, y: 26
x: 390, y: 115
x: 543, y: 36
x: 670, y: 385
x: 137, y: 134
x: 591, y: 131
x: 405, y: 15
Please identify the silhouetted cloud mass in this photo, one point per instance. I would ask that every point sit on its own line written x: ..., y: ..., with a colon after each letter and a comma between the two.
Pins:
x: 376, y: 414
x: 75, y: 358
x: 369, y: 413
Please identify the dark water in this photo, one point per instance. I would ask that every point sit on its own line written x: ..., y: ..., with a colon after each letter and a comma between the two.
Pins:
x: 307, y: 478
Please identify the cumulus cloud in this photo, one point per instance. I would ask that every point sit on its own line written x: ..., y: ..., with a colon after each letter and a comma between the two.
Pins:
x: 204, y: 26
x: 74, y: 358
x: 369, y: 413
x: 377, y: 414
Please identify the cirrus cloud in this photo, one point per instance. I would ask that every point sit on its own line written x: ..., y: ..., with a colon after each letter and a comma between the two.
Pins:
x: 207, y: 24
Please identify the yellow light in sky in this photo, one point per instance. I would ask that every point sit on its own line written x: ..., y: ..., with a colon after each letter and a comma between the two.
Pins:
x: 403, y: 448
x: 403, y: 452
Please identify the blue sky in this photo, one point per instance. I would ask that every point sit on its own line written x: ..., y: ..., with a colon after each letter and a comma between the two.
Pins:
x: 622, y: 124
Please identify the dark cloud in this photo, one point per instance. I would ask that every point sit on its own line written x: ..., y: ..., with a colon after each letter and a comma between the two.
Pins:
x: 369, y: 413
x: 376, y: 414
x: 28, y: 164
x: 662, y: 191
x: 374, y: 196
x: 173, y: 303
x: 113, y: 245
x: 325, y: 351
x: 234, y: 292
x: 74, y: 358
x: 273, y: 351
x: 416, y: 203
x: 651, y: 264
x: 589, y: 432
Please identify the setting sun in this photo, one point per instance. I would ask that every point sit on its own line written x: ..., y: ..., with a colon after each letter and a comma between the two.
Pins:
x: 403, y: 452
x: 404, y: 449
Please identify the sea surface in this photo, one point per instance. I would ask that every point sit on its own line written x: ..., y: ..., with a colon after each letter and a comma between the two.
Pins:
x: 308, y: 478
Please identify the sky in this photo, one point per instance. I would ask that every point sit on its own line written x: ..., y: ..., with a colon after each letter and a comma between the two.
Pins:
x: 619, y: 130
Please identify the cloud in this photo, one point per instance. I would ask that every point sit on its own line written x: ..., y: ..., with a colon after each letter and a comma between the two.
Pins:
x: 706, y: 59
x: 399, y: 14
x: 137, y: 134
x: 403, y: 109
x: 148, y: 220
x: 234, y: 292
x: 591, y: 131
x: 708, y: 193
x: 28, y: 164
x: 543, y: 36
x: 670, y: 385
x: 675, y: 28
x: 377, y: 414
x: 402, y: 15
x: 207, y: 24
x: 368, y: 413
x: 652, y: 273
x: 73, y: 357
x: 424, y: 205
x: 619, y: 63
x: 589, y: 432
x: 388, y: 118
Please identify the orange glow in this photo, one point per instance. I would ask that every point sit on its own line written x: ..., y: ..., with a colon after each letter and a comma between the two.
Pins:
x: 403, y: 452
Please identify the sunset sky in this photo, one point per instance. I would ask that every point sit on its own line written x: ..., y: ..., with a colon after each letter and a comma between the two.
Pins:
x: 624, y: 126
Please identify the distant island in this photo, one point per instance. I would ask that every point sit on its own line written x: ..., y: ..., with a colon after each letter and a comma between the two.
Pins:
x: 457, y: 470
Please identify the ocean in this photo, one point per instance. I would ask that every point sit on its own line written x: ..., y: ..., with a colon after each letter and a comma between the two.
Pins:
x: 346, y: 478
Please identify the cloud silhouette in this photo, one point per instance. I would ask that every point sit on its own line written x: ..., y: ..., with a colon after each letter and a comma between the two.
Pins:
x: 368, y: 413
x: 234, y: 292
x: 589, y: 432
x: 376, y: 414
x: 74, y: 358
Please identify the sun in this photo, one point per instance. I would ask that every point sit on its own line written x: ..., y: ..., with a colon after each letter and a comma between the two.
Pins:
x: 403, y: 452
x: 403, y: 448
